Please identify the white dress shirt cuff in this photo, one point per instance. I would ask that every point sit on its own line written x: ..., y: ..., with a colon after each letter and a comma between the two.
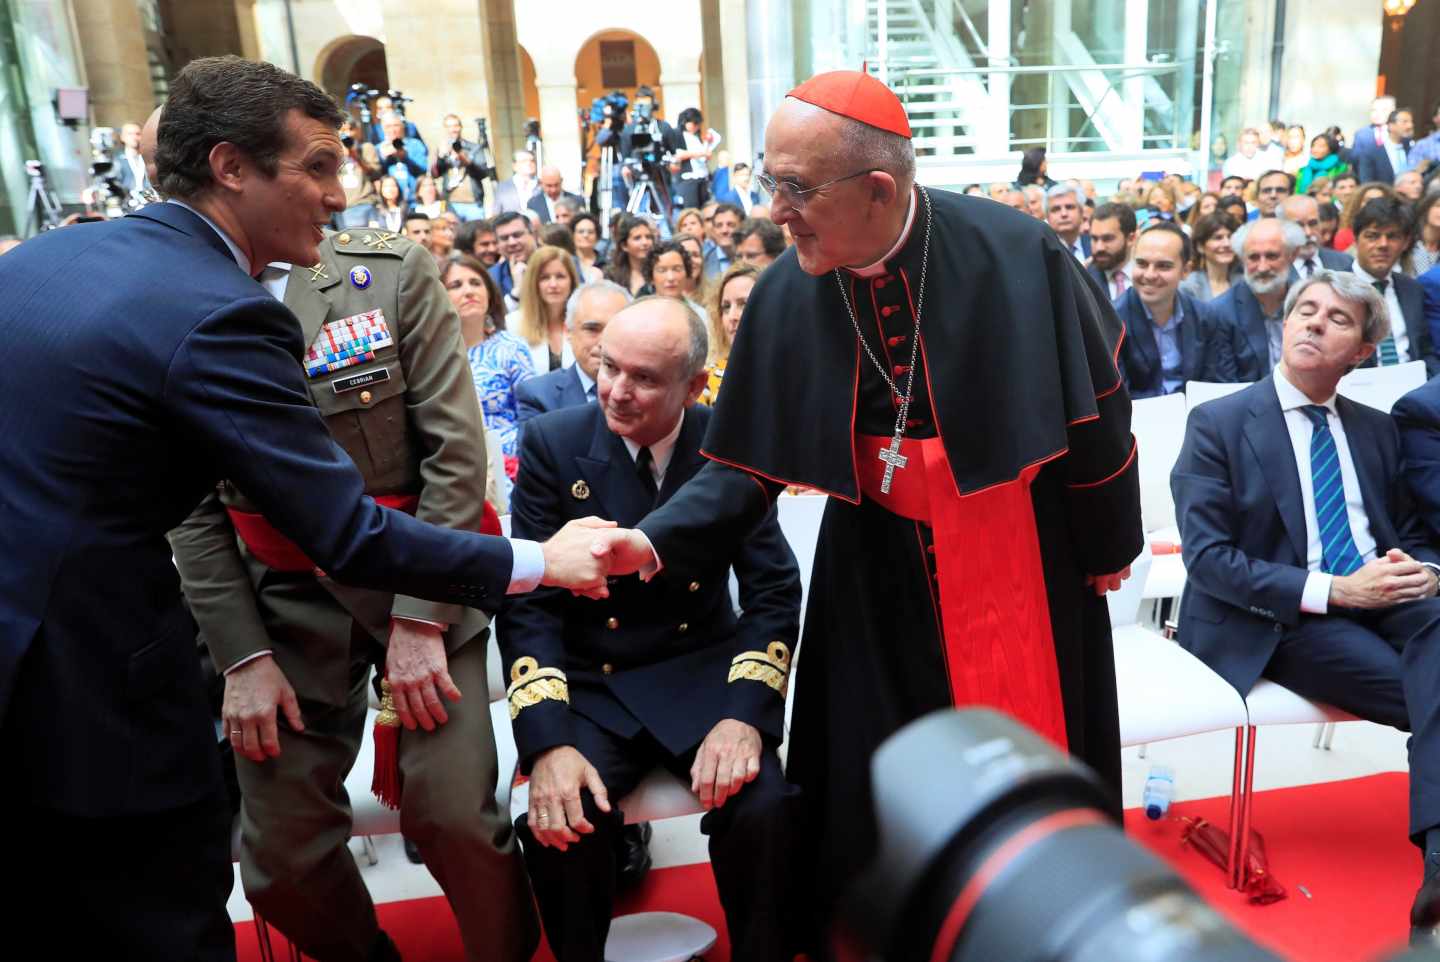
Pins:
x: 249, y: 658
x: 1315, y: 599
x: 528, y: 568
x: 420, y: 621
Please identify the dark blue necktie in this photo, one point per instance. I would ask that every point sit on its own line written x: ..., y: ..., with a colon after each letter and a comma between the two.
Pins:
x: 1337, y: 545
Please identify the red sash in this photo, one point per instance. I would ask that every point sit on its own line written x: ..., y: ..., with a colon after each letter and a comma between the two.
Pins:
x: 993, y: 603
x: 274, y: 550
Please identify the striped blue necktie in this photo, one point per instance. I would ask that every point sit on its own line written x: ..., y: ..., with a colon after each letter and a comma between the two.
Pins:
x: 1338, y: 552
x: 1388, y: 352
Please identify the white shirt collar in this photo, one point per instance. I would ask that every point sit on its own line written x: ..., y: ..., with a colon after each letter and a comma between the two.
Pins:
x: 1291, y: 397
x: 587, y: 383
x: 235, y: 250
x: 660, y: 451
x: 878, y: 268
x: 1366, y: 275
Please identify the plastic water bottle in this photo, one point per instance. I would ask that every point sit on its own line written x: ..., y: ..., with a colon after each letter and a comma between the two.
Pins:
x: 1159, y: 789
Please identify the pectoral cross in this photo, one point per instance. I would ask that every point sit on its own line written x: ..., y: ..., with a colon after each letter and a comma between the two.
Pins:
x: 893, y: 459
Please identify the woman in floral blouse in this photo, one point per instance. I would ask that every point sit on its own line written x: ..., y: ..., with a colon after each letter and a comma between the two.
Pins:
x: 498, y: 359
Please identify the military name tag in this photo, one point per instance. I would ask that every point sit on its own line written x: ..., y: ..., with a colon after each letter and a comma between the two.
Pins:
x: 351, y: 381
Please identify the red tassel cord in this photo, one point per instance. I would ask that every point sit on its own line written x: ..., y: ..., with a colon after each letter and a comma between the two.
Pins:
x: 386, y: 783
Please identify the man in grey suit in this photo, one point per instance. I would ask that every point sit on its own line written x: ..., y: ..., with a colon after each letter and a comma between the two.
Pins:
x: 552, y: 192
x: 1304, y: 211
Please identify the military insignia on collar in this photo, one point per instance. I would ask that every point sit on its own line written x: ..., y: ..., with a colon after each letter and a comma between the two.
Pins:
x: 380, y: 240
x: 580, y: 491
x: 317, y: 273
x: 360, y: 277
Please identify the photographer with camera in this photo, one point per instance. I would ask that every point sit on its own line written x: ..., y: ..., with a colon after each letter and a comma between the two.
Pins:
x: 647, y: 147
x: 358, y: 173
x: 692, y: 163
x: 404, y: 157
x: 461, y: 170
x: 391, y: 102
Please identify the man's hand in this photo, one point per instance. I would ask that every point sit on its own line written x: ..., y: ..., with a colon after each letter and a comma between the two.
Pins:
x: 1104, y: 583
x: 386, y: 148
x: 252, y: 693
x: 557, y: 818
x: 415, y: 667
x: 1386, y: 581
x: 728, y: 758
x: 575, y: 559
x: 626, y: 550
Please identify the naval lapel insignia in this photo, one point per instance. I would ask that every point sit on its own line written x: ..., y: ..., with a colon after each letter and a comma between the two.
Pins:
x: 343, y: 239
x: 360, y: 277
x: 317, y: 273
x: 580, y: 491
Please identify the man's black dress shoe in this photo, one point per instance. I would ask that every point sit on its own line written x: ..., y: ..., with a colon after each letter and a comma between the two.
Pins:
x: 1425, y: 914
x: 412, y: 851
x: 632, y: 858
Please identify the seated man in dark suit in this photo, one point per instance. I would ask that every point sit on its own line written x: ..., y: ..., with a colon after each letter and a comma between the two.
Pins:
x: 552, y: 191
x: 1382, y: 233
x: 1304, y: 211
x: 1306, y: 561
x: 586, y: 314
x: 1430, y: 301
x: 660, y: 673
x: 1252, y: 309
x: 1168, y: 339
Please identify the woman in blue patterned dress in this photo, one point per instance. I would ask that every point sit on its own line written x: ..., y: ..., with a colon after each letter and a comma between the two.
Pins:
x: 498, y: 359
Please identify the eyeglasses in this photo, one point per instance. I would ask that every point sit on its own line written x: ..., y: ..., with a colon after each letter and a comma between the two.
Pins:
x: 1274, y: 190
x: 793, y: 194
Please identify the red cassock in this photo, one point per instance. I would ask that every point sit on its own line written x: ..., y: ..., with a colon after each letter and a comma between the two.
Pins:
x: 965, y: 583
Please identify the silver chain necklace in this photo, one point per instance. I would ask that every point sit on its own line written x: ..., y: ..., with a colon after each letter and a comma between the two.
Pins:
x: 891, y: 456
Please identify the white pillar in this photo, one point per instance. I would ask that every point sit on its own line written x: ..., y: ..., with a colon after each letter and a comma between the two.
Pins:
x: 735, y: 54
x: 560, y: 128
x: 998, y: 55
x: 1137, y: 30
x: 1059, y: 82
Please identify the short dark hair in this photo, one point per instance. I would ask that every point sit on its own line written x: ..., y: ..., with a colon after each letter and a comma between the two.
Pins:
x: 229, y: 99
x: 1226, y: 180
x: 1170, y: 227
x: 1346, y: 175
x: 510, y: 216
x: 495, y: 312
x: 1383, y: 212
x: 1123, y: 213
x: 668, y: 246
x: 689, y: 115
x: 1234, y: 200
x: 1329, y: 212
x: 469, y: 233
x: 416, y: 215
x: 728, y: 209
x: 584, y: 215
x: 557, y: 235
x: 1289, y: 178
x: 772, y: 238
x: 644, y: 91
x: 1395, y: 114
x: 1206, y: 228
x: 739, y: 165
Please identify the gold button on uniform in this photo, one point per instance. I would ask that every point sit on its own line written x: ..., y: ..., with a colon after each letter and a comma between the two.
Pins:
x: 694, y: 586
x: 612, y: 623
x: 365, y: 397
x: 684, y: 627
x: 343, y: 239
x: 608, y: 669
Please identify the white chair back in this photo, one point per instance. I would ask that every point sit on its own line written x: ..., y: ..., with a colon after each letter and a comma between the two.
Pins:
x: 1125, y: 603
x: 1158, y: 424
x: 1381, y: 387
x: 1198, y: 392
x: 799, y: 517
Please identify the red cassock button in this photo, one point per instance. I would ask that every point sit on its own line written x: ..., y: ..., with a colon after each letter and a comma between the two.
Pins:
x: 898, y: 340
x: 901, y: 369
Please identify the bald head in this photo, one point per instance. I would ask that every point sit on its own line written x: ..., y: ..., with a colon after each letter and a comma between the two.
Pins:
x: 552, y: 182
x: 652, y: 365
x: 1304, y: 211
x: 147, y: 144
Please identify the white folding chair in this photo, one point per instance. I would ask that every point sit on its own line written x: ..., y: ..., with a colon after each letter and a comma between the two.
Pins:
x: 1159, y: 427
x: 1198, y: 392
x: 1165, y: 692
x: 1381, y: 387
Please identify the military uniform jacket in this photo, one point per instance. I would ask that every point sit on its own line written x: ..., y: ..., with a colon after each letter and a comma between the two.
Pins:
x: 385, y: 366
x: 669, y: 656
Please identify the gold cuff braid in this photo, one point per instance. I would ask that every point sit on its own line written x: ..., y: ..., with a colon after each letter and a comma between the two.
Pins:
x: 770, y: 667
x: 530, y: 685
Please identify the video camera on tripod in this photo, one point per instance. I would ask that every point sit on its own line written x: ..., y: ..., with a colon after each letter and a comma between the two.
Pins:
x: 361, y: 94
x: 107, y: 194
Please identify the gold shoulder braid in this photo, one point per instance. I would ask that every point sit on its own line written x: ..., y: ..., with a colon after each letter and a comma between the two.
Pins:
x: 771, y: 666
x: 530, y: 685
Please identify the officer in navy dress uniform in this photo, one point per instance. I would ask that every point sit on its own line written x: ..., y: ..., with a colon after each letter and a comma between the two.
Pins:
x: 661, y: 673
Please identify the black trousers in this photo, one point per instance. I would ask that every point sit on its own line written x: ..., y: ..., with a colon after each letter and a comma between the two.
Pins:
x: 750, y: 852
x: 1383, y: 666
x: 142, y: 887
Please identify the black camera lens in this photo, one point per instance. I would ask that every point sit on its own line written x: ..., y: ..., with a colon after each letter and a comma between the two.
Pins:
x: 398, y: 143
x: 455, y: 146
x: 348, y: 141
x: 1005, y: 851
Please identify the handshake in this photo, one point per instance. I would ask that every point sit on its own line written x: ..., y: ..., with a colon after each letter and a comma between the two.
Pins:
x: 587, y: 551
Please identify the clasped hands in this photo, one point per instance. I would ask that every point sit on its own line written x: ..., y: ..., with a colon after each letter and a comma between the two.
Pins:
x: 726, y: 761
x: 587, y: 551
x: 1390, y: 579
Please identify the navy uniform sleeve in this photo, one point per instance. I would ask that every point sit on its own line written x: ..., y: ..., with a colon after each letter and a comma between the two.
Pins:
x: 766, y: 635
x: 236, y: 388
x: 709, y: 517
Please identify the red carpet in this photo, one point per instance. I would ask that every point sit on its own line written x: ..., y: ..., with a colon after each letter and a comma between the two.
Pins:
x: 1343, y: 841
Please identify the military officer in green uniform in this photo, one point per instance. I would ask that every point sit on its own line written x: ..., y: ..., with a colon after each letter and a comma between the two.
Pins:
x: 387, y: 369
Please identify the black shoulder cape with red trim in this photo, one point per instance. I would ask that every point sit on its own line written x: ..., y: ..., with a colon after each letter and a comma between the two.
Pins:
x: 1019, y: 341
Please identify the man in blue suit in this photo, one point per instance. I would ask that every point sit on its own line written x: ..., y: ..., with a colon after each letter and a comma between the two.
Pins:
x: 1064, y: 206
x: 1168, y: 340
x: 1429, y: 283
x: 1304, y: 211
x: 1306, y: 561
x: 1383, y: 233
x: 1251, y: 310
x: 1388, y: 158
x: 662, y: 674
x: 586, y: 314
x: 144, y: 363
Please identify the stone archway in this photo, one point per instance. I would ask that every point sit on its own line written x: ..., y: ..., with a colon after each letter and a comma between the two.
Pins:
x: 349, y: 60
x: 627, y: 61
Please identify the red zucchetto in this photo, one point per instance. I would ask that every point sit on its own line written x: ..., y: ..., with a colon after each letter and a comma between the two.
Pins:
x: 857, y: 95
